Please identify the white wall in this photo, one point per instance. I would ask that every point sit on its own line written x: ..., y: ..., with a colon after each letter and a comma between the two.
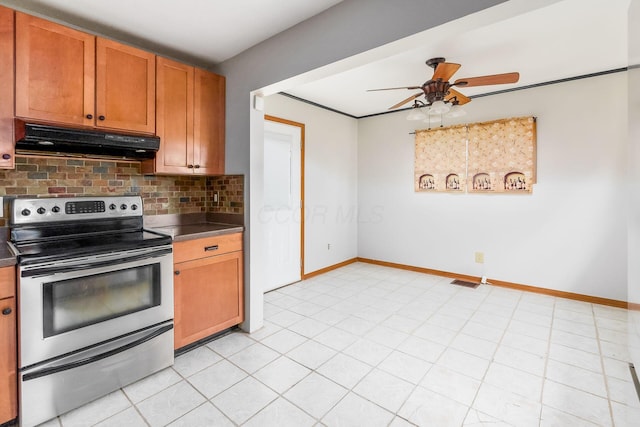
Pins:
x: 634, y: 181
x: 569, y: 235
x: 330, y: 180
x: 356, y: 26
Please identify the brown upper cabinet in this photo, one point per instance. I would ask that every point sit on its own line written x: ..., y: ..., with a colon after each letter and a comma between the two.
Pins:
x: 7, y: 157
x: 125, y: 87
x: 190, y: 120
x: 71, y: 77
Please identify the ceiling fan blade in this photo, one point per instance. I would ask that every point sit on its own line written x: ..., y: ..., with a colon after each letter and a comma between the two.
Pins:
x: 494, y: 79
x: 411, y: 98
x: 462, y: 99
x: 445, y: 70
x: 395, y: 88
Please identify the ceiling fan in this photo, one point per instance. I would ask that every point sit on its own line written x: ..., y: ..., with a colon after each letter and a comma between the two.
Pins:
x: 438, y: 92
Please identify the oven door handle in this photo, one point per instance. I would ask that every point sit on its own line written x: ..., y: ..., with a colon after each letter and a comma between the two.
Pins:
x: 86, y: 360
x: 46, y: 271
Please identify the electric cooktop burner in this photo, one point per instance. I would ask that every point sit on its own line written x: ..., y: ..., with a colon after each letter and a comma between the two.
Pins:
x: 46, y: 229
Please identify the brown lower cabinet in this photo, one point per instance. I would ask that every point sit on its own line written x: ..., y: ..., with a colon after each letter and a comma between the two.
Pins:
x: 8, y: 352
x: 208, y: 287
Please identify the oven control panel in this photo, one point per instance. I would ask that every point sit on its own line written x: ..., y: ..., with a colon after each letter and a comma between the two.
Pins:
x: 88, y: 206
x: 54, y: 209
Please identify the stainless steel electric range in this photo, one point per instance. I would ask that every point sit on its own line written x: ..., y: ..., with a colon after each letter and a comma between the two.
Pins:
x: 95, y: 298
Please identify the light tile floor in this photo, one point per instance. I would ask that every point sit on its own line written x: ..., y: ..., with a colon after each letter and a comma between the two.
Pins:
x: 366, y: 345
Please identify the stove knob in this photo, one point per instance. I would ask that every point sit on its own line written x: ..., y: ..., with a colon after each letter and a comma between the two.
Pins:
x: 41, y: 210
x: 55, y: 209
x: 112, y: 206
x: 25, y: 212
x: 134, y: 207
x: 123, y: 207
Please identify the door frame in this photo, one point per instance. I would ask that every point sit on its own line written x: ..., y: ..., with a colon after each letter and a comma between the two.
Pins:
x: 302, y: 215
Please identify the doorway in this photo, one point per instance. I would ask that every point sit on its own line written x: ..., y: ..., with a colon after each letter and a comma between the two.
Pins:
x: 283, y: 213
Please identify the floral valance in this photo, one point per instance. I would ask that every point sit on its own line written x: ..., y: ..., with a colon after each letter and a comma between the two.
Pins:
x: 490, y: 157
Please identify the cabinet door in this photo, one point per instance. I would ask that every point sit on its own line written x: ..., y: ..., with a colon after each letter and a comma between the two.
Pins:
x: 209, y: 122
x: 8, y: 360
x: 174, y: 117
x: 8, y: 345
x: 125, y: 87
x: 208, y: 297
x: 55, y: 72
x: 6, y: 88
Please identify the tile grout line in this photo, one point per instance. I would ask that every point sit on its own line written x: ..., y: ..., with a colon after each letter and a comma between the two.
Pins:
x: 354, y: 280
x: 135, y: 407
x: 207, y: 400
x: 546, y: 360
x: 512, y: 314
x: 415, y: 387
x: 604, y: 372
x: 351, y: 390
x: 470, y: 407
x: 493, y: 356
x: 318, y: 420
x: 600, y: 357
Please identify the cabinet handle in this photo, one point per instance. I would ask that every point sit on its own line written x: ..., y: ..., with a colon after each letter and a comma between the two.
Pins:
x: 6, y: 311
x: 177, y: 272
x: 101, y: 117
x: 211, y: 248
x: 190, y: 166
x: 89, y: 116
x: 197, y: 166
x: 6, y: 156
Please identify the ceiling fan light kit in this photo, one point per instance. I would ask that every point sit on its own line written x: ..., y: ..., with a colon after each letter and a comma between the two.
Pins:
x: 456, y: 111
x: 416, y: 114
x: 439, y: 94
x: 439, y: 107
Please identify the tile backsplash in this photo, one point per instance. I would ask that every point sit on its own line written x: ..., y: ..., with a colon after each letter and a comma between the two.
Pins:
x: 230, y: 189
x: 63, y: 177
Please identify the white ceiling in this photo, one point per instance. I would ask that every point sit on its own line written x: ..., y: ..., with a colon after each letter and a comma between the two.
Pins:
x: 564, y: 39
x: 210, y: 30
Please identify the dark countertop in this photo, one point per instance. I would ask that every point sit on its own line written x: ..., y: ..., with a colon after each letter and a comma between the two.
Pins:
x: 183, y: 227
x: 179, y: 232
x: 183, y: 232
x: 6, y: 256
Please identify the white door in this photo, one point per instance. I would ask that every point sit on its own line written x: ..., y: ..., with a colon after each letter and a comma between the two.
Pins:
x: 282, y: 213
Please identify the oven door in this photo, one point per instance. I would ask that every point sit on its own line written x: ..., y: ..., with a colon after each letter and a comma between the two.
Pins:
x: 72, y: 304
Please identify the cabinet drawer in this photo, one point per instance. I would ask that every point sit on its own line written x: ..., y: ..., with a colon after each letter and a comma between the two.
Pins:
x: 206, y: 247
x: 7, y: 282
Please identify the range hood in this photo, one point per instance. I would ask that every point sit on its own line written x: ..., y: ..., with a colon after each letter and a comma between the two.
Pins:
x: 33, y: 138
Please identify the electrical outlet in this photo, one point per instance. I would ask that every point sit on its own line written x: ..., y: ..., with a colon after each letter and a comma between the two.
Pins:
x: 479, y: 257
x: 328, y: 246
x: 215, y: 197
